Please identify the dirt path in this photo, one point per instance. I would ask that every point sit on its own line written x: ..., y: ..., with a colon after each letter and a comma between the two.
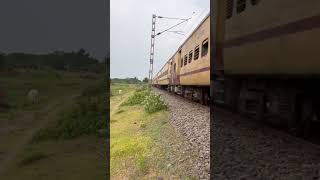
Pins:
x: 18, y: 133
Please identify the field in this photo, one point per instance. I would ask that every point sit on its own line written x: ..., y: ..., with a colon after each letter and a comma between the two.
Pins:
x: 143, y: 145
x: 47, y: 140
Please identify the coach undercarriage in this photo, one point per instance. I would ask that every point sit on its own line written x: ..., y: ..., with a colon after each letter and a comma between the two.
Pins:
x: 288, y: 103
x: 195, y: 93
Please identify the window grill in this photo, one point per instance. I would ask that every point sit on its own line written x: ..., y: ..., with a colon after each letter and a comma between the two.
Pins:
x: 229, y: 8
x: 196, y: 53
x: 205, y: 47
x: 190, y: 56
x: 241, y: 6
x: 255, y: 2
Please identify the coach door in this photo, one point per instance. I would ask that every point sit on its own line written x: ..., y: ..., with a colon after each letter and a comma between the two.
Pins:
x: 177, y: 67
x: 172, y: 71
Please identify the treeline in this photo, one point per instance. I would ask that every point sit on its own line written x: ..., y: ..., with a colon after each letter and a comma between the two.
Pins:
x: 59, y: 60
x: 126, y: 80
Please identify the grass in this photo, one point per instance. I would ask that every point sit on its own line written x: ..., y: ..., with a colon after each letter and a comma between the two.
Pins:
x: 87, y: 117
x: 32, y: 158
x: 139, y: 140
x: 137, y: 98
x: 124, y: 87
x: 151, y: 102
x: 50, y: 85
x: 69, y: 159
x: 67, y: 147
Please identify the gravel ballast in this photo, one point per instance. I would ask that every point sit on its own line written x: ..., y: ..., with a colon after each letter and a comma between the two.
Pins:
x: 246, y: 149
x: 192, y: 121
x: 242, y: 148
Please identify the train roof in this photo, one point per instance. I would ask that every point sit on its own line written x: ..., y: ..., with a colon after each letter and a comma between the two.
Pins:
x: 204, y: 19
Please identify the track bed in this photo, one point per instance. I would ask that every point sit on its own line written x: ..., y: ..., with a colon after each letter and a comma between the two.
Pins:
x: 192, y: 121
x: 246, y: 149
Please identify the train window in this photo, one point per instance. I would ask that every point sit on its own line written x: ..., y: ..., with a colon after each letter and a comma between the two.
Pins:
x: 185, y: 60
x: 181, y: 62
x: 255, y: 2
x: 190, y: 56
x: 241, y: 6
x: 196, y: 53
x: 229, y: 8
x: 205, y: 48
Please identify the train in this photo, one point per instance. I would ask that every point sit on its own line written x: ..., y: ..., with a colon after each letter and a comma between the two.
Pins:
x: 262, y: 60
x: 187, y: 71
x: 266, y: 61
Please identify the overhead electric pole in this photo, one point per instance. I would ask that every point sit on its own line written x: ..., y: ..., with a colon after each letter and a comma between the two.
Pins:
x: 154, y: 34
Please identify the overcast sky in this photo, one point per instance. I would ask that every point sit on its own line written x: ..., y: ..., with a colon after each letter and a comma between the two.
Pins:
x: 41, y: 26
x: 130, y: 30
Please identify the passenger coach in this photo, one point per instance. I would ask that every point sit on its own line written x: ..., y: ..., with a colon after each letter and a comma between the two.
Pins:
x: 267, y: 60
x: 187, y: 72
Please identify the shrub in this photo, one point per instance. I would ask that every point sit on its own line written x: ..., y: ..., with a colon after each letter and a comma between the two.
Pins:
x: 142, y: 88
x: 153, y: 103
x: 136, y: 99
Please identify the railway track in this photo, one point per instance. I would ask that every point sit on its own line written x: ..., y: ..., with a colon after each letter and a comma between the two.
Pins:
x: 244, y: 148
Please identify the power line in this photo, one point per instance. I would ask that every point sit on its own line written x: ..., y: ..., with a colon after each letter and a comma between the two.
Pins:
x: 161, y: 17
x: 153, y: 35
x: 191, y: 28
x: 178, y: 32
x: 173, y: 26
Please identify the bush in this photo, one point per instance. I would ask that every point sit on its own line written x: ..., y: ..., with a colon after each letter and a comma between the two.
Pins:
x: 142, y: 88
x: 136, y: 99
x: 153, y: 103
x: 87, y: 117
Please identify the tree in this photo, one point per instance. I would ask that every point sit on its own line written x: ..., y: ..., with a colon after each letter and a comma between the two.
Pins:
x: 145, y: 80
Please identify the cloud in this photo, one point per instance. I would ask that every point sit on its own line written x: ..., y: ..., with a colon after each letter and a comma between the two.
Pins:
x: 130, y: 29
x: 41, y: 26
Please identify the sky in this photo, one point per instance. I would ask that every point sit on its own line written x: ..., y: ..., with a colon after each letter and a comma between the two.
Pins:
x: 130, y: 30
x: 42, y: 26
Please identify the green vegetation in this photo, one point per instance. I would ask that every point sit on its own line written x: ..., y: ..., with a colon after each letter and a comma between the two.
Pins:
x: 123, y: 87
x: 63, y: 126
x: 75, y: 159
x: 140, y: 141
x: 58, y: 60
x: 50, y: 84
x: 126, y: 81
x: 151, y: 102
x: 87, y: 117
x: 33, y: 157
x: 137, y: 98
